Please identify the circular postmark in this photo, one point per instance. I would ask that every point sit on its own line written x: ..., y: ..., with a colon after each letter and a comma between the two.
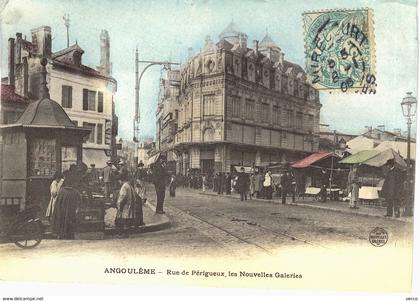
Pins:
x: 339, y: 51
x: 378, y: 237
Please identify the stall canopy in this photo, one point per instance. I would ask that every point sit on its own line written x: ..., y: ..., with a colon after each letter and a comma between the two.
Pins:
x: 360, y: 157
x: 305, y: 162
x: 400, y: 147
x: 381, y: 159
x: 375, y: 158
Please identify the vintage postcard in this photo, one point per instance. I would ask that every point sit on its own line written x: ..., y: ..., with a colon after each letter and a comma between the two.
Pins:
x: 204, y: 143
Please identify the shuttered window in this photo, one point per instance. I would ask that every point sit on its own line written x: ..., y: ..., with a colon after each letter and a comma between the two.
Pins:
x: 100, y: 102
x: 66, y: 96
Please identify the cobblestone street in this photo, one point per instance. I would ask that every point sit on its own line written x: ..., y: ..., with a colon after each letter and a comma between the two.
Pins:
x: 222, y: 233
x: 210, y: 225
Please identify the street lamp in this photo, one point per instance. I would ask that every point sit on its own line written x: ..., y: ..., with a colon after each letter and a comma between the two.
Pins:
x: 136, y: 120
x: 408, y: 106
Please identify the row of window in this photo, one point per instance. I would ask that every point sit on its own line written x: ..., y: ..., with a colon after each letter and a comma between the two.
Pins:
x: 291, y: 120
x: 92, y: 100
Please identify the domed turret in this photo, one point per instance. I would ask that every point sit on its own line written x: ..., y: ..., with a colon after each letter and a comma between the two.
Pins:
x: 231, y: 33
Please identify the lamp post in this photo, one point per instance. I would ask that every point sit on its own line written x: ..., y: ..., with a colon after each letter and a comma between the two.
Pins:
x: 136, y: 121
x: 408, y: 106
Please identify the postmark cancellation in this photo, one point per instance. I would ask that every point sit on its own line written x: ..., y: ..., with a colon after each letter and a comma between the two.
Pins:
x: 340, y: 50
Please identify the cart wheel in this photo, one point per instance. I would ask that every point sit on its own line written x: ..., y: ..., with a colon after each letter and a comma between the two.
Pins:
x: 33, y: 230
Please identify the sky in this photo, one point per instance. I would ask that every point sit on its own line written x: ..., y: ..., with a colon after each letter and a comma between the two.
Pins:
x: 165, y: 29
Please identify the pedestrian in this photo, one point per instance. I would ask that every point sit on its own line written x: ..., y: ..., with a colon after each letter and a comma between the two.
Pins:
x: 324, y: 182
x: 64, y: 217
x: 292, y: 185
x: 268, y: 185
x: 160, y: 175
x: 221, y: 182
x: 204, y: 182
x: 228, y: 181
x: 54, y: 189
x: 284, y: 185
x: 242, y: 183
x: 216, y: 182
x: 258, y: 181
x: 140, y: 177
x: 252, y: 185
x: 172, y: 186
x: 392, y: 189
x: 108, y: 179
x: 353, y: 183
x: 93, y: 177
x: 128, y: 212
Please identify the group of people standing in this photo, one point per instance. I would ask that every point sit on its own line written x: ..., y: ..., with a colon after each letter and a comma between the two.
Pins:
x: 258, y: 184
x: 124, y: 189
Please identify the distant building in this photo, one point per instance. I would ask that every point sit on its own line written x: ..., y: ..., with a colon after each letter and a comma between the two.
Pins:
x: 230, y: 105
x: 329, y: 140
x: 86, y: 94
x: 379, y: 135
x: 143, y: 151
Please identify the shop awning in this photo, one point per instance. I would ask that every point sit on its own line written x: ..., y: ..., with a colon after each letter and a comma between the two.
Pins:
x: 305, y: 162
x: 381, y: 159
x: 360, y: 157
x: 95, y: 156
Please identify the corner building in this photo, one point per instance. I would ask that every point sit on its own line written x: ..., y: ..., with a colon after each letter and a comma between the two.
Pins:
x: 239, y: 106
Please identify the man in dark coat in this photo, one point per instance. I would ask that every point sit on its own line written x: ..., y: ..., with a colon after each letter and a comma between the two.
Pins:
x: 221, y: 183
x: 284, y: 182
x: 228, y: 181
x: 160, y: 175
x: 392, y: 189
x: 242, y: 183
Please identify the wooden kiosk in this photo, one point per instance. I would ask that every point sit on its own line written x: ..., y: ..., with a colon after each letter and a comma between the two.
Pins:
x: 41, y: 142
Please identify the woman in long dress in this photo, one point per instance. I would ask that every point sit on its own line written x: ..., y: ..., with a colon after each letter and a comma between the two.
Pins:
x: 129, y: 208
x: 54, y: 189
x: 64, y: 218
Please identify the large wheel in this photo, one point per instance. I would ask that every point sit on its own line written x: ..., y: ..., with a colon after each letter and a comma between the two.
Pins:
x: 29, y: 236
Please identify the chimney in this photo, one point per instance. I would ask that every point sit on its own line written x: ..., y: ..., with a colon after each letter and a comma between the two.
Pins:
x: 11, y: 61
x: 25, y: 77
x: 41, y: 38
x: 18, y: 49
x: 256, y: 47
x: 105, y: 63
x: 242, y: 41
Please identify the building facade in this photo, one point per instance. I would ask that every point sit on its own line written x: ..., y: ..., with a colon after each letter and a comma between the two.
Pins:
x: 86, y: 94
x: 238, y: 106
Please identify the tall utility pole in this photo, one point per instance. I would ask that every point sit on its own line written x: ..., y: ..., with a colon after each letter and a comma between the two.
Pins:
x: 66, y: 19
x: 136, y: 120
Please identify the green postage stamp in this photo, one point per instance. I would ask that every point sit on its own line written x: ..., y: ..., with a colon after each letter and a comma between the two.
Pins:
x: 340, y: 50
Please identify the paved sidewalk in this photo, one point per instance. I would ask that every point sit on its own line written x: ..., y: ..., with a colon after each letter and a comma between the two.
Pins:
x: 337, y: 206
x: 153, y: 222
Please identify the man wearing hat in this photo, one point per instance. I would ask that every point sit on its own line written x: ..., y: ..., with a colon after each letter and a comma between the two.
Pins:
x: 108, y: 179
x: 392, y: 189
x: 160, y: 175
x: 242, y: 183
x: 140, y: 178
